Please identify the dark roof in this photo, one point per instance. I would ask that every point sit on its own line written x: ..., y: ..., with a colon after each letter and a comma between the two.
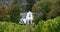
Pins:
x: 23, y: 15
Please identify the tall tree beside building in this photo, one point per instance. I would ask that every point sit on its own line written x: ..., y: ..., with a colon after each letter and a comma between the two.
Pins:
x: 15, y: 11
x: 42, y: 8
x: 55, y: 10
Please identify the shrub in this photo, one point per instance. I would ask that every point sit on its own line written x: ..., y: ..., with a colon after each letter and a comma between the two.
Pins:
x: 51, y: 25
x: 11, y: 27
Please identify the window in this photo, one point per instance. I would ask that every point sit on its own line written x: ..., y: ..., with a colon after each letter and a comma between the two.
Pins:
x: 22, y: 21
x: 29, y: 15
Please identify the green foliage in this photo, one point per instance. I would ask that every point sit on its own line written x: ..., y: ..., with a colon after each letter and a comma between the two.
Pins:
x: 15, y: 12
x: 4, y: 18
x: 11, y: 27
x: 15, y: 1
x: 55, y: 10
x: 42, y: 8
x: 51, y: 25
x: 3, y: 12
x: 49, y: 9
x: 54, y: 13
x: 37, y: 18
x: 29, y: 4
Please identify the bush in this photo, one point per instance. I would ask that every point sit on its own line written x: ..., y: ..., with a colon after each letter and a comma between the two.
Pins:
x: 51, y: 25
x: 4, y: 18
x: 11, y: 27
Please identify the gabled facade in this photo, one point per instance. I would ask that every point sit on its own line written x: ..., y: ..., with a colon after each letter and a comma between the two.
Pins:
x: 27, y: 19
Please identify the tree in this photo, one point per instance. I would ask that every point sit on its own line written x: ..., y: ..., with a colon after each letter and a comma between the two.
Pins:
x: 54, y: 13
x: 29, y: 5
x: 15, y: 12
x: 42, y: 8
x: 3, y: 13
x: 55, y: 10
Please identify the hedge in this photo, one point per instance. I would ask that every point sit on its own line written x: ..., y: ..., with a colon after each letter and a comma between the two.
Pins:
x: 11, y: 27
x: 51, y: 25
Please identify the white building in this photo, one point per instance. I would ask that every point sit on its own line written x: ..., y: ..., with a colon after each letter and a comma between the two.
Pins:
x: 22, y: 21
x: 27, y: 19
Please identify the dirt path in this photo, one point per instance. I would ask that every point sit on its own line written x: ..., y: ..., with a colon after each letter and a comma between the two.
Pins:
x: 29, y: 28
